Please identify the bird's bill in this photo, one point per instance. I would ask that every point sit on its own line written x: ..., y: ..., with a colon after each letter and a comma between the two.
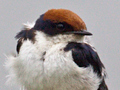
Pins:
x: 82, y: 32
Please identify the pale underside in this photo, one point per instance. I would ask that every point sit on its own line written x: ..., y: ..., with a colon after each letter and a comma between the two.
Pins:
x: 55, y: 70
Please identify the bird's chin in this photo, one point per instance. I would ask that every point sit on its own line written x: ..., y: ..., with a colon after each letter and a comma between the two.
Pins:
x: 65, y: 38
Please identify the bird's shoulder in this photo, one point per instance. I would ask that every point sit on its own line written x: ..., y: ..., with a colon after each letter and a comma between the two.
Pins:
x: 84, y: 55
x: 23, y: 35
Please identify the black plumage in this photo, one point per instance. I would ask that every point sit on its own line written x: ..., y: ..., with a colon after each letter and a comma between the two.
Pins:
x: 24, y: 35
x: 84, y: 56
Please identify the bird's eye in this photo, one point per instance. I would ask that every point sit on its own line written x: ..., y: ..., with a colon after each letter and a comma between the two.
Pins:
x: 60, y: 26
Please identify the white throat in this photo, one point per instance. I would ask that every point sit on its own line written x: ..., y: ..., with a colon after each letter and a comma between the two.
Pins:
x: 61, y: 38
x: 58, y: 38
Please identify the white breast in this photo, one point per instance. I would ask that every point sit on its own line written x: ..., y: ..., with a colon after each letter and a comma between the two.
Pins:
x: 57, y: 72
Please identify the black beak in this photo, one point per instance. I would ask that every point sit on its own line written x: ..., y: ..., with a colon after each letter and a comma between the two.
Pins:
x: 82, y: 32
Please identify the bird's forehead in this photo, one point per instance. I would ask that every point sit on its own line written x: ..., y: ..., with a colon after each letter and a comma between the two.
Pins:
x: 67, y: 16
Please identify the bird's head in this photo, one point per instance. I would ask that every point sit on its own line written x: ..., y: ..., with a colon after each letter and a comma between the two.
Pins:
x: 61, y: 21
x: 61, y: 24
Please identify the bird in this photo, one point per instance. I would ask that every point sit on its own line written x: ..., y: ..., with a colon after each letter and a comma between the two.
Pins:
x: 53, y: 54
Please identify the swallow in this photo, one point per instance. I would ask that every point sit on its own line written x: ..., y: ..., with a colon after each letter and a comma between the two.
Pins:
x: 52, y: 54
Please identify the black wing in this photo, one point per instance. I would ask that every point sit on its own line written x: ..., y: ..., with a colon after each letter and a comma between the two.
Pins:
x: 24, y: 35
x: 103, y: 86
x: 84, y: 55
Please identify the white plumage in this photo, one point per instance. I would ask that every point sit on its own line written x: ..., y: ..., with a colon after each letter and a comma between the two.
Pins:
x: 42, y: 63
x: 58, y: 71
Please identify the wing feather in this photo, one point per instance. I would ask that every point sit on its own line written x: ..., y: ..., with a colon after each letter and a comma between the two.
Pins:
x: 84, y: 55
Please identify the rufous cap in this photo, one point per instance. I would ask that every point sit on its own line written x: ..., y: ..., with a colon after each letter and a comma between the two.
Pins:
x: 63, y: 15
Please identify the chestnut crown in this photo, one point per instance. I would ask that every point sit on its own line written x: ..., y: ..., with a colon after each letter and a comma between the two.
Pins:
x: 59, y: 21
